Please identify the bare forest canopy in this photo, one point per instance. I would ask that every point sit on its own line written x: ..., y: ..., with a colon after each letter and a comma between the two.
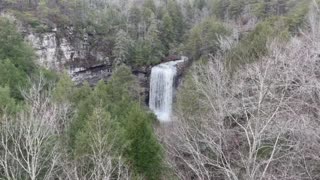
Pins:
x: 248, y: 107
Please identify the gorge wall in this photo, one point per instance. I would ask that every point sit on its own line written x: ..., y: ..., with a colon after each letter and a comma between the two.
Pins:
x: 84, y: 55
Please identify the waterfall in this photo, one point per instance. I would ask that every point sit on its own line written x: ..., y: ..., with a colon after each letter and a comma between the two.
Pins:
x: 161, y: 89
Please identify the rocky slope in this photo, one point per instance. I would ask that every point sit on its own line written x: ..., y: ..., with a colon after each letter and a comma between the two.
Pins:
x: 86, y: 57
x: 83, y: 56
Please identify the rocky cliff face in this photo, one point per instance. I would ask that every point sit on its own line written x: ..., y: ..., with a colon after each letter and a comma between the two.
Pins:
x: 83, y: 56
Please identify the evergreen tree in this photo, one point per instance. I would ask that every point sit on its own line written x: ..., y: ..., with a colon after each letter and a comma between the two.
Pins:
x: 139, y: 54
x: 236, y: 8
x: 203, y: 38
x: 147, y: 15
x: 297, y: 14
x: 81, y: 93
x: 11, y: 76
x: 254, y: 45
x: 134, y: 20
x: 176, y: 15
x: 16, y: 59
x: 123, y: 85
x: 167, y: 32
x: 99, y: 127
x: 220, y: 8
x: 190, y: 12
x: 122, y: 47
x: 64, y: 89
x: 153, y: 38
x: 14, y: 48
x: 149, y: 4
x: 144, y: 151
x: 7, y: 104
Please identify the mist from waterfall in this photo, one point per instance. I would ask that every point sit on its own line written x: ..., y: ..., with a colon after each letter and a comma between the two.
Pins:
x: 162, y: 88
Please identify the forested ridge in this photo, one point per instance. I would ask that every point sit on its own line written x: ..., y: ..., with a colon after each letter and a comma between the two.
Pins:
x: 247, y: 107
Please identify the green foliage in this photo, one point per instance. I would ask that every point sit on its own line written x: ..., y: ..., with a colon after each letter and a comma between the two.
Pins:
x: 297, y: 15
x: 122, y: 47
x: 16, y: 59
x: 203, y: 38
x: 167, y: 32
x: 254, y: 45
x: 101, y: 133
x: 153, y: 33
x: 223, y: 8
x: 187, y: 100
x: 144, y: 151
x: 27, y: 17
x: 135, y: 17
x: 111, y: 110
x: 81, y: 93
x: 123, y: 84
x: 176, y: 15
x: 11, y: 76
x: 17, y: 67
x: 261, y: 8
x: 236, y: 8
x: 7, y: 104
x: 265, y: 151
x: 64, y: 89
x: 147, y: 52
x: 220, y: 7
x: 149, y: 4
x: 14, y: 48
x: 109, y: 97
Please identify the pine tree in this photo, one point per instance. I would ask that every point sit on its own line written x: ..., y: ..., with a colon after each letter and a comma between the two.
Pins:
x: 203, y: 38
x: 12, y: 76
x: 220, y: 8
x: 176, y: 15
x: 16, y: 59
x: 123, y: 85
x: 122, y: 48
x: 153, y: 39
x: 144, y: 151
x: 99, y: 127
x: 7, y: 104
x: 149, y: 4
x: 64, y: 89
x: 167, y: 32
x: 81, y: 93
x: 236, y: 8
x: 134, y: 20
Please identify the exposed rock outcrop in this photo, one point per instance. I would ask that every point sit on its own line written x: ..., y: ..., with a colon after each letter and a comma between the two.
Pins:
x: 84, y: 57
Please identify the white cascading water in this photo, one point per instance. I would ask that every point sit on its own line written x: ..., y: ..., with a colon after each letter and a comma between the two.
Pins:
x: 161, y: 89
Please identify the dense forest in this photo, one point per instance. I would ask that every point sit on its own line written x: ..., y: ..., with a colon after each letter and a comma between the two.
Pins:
x: 247, y: 106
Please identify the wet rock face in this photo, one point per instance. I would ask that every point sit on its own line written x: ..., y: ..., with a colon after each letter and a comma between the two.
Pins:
x: 83, y: 56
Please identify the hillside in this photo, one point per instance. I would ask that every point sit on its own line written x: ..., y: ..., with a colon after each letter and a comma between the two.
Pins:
x: 238, y: 81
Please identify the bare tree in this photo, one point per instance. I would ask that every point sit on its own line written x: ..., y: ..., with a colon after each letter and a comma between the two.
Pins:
x: 102, y: 160
x: 29, y: 140
x: 260, y: 123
